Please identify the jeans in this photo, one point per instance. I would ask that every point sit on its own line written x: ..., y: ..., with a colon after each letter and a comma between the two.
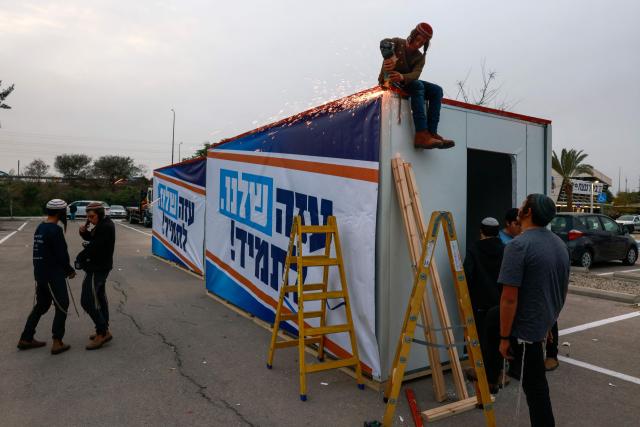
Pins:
x: 94, y: 299
x: 534, y: 382
x: 44, y: 300
x: 422, y: 92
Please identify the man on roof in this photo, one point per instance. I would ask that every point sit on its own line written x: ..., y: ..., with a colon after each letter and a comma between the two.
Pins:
x: 401, y: 67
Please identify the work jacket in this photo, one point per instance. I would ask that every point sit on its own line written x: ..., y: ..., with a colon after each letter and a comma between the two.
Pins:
x: 410, y: 63
x: 98, y: 253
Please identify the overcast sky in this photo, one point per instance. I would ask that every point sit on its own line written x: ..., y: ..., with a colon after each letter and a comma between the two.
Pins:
x: 101, y: 77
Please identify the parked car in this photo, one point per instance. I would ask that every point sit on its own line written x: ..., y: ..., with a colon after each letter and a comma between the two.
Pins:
x: 630, y: 222
x: 117, y: 211
x: 82, y: 207
x: 593, y: 238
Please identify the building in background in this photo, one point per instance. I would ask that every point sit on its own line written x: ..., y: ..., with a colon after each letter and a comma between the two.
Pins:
x: 583, y: 186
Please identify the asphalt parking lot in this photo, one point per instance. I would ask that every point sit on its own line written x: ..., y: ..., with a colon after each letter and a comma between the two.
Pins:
x: 180, y: 358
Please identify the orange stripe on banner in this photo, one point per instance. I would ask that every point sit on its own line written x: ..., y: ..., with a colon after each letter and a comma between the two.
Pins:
x: 351, y: 172
x: 178, y: 254
x: 180, y: 183
x: 330, y: 345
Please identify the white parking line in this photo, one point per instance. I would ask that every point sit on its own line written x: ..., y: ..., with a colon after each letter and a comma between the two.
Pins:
x: 8, y: 236
x: 134, y: 229
x: 598, y: 323
x: 619, y: 271
x: 604, y: 371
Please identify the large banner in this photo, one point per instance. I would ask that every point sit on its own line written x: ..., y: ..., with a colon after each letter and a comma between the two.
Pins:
x: 317, y: 166
x: 179, y: 214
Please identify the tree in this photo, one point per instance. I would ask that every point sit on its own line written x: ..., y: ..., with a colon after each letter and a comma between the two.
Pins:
x: 568, y: 165
x: 72, y: 165
x: 113, y: 168
x: 203, y: 151
x: 4, y: 93
x: 37, y: 168
x: 487, y: 94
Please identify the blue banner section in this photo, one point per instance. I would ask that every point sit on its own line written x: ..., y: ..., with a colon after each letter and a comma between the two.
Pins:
x: 194, y: 172
x: 353, y: 133
x: 219, y: 283
x: 158, y: 249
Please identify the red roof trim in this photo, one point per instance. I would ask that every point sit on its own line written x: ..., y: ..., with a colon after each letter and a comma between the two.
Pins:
x: 493, y: 111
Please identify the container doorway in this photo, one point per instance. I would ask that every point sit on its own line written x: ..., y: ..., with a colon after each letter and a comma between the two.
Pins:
x: 490, y: 188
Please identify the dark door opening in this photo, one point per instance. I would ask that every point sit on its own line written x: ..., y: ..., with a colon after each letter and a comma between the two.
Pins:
x: 489, y: 189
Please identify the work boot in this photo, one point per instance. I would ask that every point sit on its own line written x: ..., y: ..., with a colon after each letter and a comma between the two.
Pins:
x: 425, y: 140
x: 59, y: 347
x: 445, y: 143
x: 99, y: 341
x: 27, y: 345
x: 109, y: 337
x: 550, y: 364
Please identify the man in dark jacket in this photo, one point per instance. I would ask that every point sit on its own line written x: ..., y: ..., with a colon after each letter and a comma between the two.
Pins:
x: 403, y: 69
x: 51, y: 267
x: 482, y: 267
x: 97, y: 262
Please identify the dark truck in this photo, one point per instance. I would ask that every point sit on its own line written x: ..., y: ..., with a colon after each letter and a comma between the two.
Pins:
x: 143, y: 213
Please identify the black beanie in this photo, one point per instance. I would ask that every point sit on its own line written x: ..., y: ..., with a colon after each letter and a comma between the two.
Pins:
x: 543, y: 209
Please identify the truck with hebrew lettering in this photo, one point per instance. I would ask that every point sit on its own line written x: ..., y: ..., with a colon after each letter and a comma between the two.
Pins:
x: 142, y: 214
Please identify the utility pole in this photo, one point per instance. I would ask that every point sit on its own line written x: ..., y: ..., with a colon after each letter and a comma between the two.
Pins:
x: 619, y: 173
x: 173, y: 134
x: 18, y: 167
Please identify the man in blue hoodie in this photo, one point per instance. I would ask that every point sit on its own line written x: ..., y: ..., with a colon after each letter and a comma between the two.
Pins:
x: 51, y: 268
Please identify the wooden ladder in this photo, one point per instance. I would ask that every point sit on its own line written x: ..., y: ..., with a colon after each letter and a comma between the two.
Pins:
x: 314, y: 292
x: 422, y: 242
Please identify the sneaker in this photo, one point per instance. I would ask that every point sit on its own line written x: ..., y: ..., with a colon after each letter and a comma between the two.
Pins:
x: 27, y: 345
x: 59, y: 347
x: 550, y: 364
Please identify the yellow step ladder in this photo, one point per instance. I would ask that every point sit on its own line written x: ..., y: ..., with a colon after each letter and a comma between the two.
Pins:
x: 422, y: 243
x: 314, y: 292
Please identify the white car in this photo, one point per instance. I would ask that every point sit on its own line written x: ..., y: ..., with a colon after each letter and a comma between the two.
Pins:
x: 81, y: 206
x: 629, y: 222
x: 118, y: 211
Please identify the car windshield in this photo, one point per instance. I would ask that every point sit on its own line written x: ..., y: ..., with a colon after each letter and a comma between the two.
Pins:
x: 626, y: 218
x: 117, y: 207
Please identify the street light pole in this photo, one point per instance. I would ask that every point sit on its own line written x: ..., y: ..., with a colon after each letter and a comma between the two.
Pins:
x: 173, y: 134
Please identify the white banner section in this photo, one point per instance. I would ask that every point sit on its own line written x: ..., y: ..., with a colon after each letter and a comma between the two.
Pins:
x: 178, y: 221
x: 251, y: 200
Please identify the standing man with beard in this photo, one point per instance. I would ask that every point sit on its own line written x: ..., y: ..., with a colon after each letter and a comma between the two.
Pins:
x: 51, y: 267
x: 535, y: 279
x: 97, y: 261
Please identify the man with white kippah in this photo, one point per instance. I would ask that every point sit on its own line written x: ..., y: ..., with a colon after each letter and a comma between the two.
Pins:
x: 51, y: 267
x: 482, y: 266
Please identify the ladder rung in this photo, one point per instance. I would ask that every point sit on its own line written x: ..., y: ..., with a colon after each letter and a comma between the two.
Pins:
x: 318, y: 229
x: 323, y: 330
x: 315, y: 367
x: 322, y: 295
x: 294, y: 343
x: 294, y: 316
x: 314, y: 261
x: 294, y: 288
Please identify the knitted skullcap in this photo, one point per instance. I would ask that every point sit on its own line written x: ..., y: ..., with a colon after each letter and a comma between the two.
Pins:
x: 543, y: 207
x: 56, y: 204
x: 490, y: 222
x: 94, y: 205
x: 424, y: 29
